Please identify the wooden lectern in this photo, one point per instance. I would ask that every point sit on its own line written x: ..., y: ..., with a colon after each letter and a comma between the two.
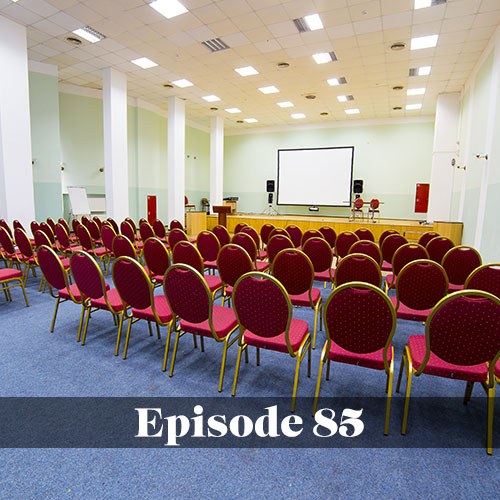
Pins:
x: 222, y: 210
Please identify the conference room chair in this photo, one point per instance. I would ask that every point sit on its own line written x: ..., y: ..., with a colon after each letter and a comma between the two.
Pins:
x: 156, y: 257
x: 114, y: 224
x: 65, y: 224
x: 384, y: 235
x: 93, y: 290
x: 139, y: 301
x: 41, y: 238
x: 127, y: 230
x: 426, y: 237
x: 310, y: 233
x: 75, y: 223
x: 265, y: 231
x: 357, y: 209
x: 188, y: 206
x: 462, y: 342
x: 5, y: 225
x: 43, y: 226
x: 485, y: 278
x: 294, y: 270
x: 421, y: 284
x: 321, y: 256
x: 279, y: 230
x: 273, y: 328
x: 98, y: 221
x: 345, y: 240
x: 146, y: 231
x: 191, y: 303
x: 88, y: 244
x: 63, y: 241
x: 245, y: 241
x: 239, y: 227
x: 261, y: 254
x: 358, y: 267
x: 295, y: 234
x: 27, y: 254
x: 122, y: 247
x: 11, y: 255
x: 18, y: 224
x: 50, y: 221
x: 364, y: 234
x: 11, y: 278
x: 142, y: 220
x: 175, y: 224
x: 132, y: 224
x: 329, y: 234
x: 222, y: 234
x: 360, y: 323
x: 174, y: 236
x: 389, y: 246
x: 437, y: 248
x: 276, y: 244
x: 107, y: 236
x: 367, y: 247
x: 374, y: 208
x: 84, y: 220
x: 208, y: 246
x: 459, y: 262
x: 159, y: 229
x: 403, y: 255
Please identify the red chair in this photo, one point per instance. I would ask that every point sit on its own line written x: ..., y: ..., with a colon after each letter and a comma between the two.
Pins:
x: 295, y: 272
x: 222, y: 235
x: 187, y: 205
x: 96, y: 295
x: 485, y: 278
x: 122, y: 247
x: 98, y: 221
x: 28, y: 256
x: 107, y: 236
x: 360, y: 323
x: 142, y: 220
x: 276, y: 244
x: 265, y: 231
x: 295, y: 234
x: 157, y: 259
x: 132, y: 224
x: 114, y: 224
x: 191, y: 302
x: 10, y: 278
x: 329, y: 234
x: 374, y: 208
x: 273, y: 328
x: 367, y: 247
x: 384, y: 235
x: 239, y: 227
x: 10, y: 254
x: 146, y: 231
x: 403, y: 255
x: 278, y: 230
x: 421, y: 284
x: 51, y: 223
x: 48, y: 231
x: 159, y: 229
x: 64, y: 244
x: 358, y: 267
x: 74, y: 225
x: 261, y: 254
x: 4, y: 225
x: 391, y: 243
x: 310, y: 233
x: 64, y: 223
x: 321, y: 256
x: 174, y: 236
x: 458, y: 263
x: 209, y: 246
x: 88, y: 244
x: 426, y: 237
x: 17, y: 224
x: 175, y: 224
x: 137, y: 292
x: 246, y: 241
x: 364, y: 234
x: 127, y: 230
x: 357, y: 209
x: 461, y: 341
x: 85, y: 220
x: 345, y: 240
x: 95, y: 232
x: 437, y: 248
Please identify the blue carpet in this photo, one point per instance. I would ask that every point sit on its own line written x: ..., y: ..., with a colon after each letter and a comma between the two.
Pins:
x: 36, y: 363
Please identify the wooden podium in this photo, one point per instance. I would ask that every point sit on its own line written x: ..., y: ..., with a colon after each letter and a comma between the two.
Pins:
x: 222, y: 210
x: 196, y: 222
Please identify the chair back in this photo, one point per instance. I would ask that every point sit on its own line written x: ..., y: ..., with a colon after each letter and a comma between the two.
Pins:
x: 34, y: 227
x: 276, y: 244
x: 320, y: 254
x: 94, y: 231
x: 23, y: 243
x: 159, y: 228
x: 344, y: 242
x: 278, y: 230
x: 407, y: 253
x: 367, y: 247
x: 358, y: 204
x: 222, y: 234
x: 175, y: 235
x: 17, y: 224
x: 384, y: 235
x: 185, y: 252
x: 48, y: 231
x: 52, y: 269
x: 84, y: 238
x: 239, y: 227
x: 41, y: 238
x: 233, y: 262
x: 132, y: 283
x: 360, y: 318
x: 141, y: 221
x: 374, y: 204
x: 75, y: 223
x: 6, y: 241
x: 295, y: 234
x: 64, y: 223
x: 426, y: 237
x: 329, y: 234
x: 265, y: 230
x: 294, y: 270
x: 245, y: 241
x: 114, y: 224
x: 85, y: 220
x: 127, y: 230
x: 62, y: 237
x: 87, y: 275
x: 175, y: 224
x: 459, y: 262
x: 485, y: 278
x: 108, y: 235
x: 156, y: 256
x: 253, y: 234
x: 364, y: 234
x: 98, y: 221
x: 132, y: 224
x: 390, y: 245
x: 421, y: 284
x: 122, y: 247
x: 358, y: 267
x: 437, y: 248
x: 208, y: 245
x: 146, y: 231
x: 310, y: 233
x: 51, y: 223
x: 3, y: 223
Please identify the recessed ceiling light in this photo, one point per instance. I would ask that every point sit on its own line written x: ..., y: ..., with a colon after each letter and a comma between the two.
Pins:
x: 182, y: 83
x: 313, y: 22
x: 271, y: 89
x: 298, y: 116
x: 352, y: 111
x: 247, y: 71
x: 211, y: 98
x: 144, y: 63
x: 250, y: 120
x: 422, y: 4
x: 336, y: 81
x: 424, y: 42
x: 168, y: 8
x: 233, y: 110
x: 413, y: 106
x: 89, y: 34
x: 344, y: 98
x: 420, y: 91
x: 324, y: 57
x: 285, y: 104
x: 424, y: 70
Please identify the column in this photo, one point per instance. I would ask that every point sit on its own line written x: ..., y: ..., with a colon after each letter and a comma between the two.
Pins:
x: 176, y: 153
x: 216, y: 160
x: 16, y: 172
x: 114, y: 101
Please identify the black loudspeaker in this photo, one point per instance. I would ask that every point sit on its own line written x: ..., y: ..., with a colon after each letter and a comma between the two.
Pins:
x: 357, y: 186
x: 270, y: 186
x: 270, y: 198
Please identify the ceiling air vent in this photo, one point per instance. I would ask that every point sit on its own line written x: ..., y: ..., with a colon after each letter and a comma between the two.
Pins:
x: 412, y: 72
x: 301, y: 25
x: 398, y: 46
x: 215, y: 45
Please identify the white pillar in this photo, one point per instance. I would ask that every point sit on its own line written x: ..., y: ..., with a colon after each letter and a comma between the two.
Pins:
x: 216, y: 161
x: 176, y: 154
x: 444, y: 150
x: 16, y: 172
x: 114, y: 93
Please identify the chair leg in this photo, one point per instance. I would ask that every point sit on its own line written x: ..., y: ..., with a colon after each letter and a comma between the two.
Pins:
x: 80, y: 326
x: 167, y: 344
x: 174, y: 354
x: 390, y: 377
x: 149, y: 328
x: 318, y: 380
x: 202, y: 343
x: 468, y: 391
x: 328, y: 369
x: 24, y: 292
x: 489, y: 435
x: 257, y: 356
x: 223, y: 363
x: 86, y: 326
x: 158, y: 331
x: 127, y: 338
x: 119, y: 334
x: 54, y: 315
x: 237, y: 368
x: 409, y: 372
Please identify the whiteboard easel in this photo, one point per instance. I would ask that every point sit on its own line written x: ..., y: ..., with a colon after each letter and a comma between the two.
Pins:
x: 78, y: 201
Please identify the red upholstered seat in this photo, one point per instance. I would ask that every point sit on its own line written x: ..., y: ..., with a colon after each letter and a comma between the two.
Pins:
x: 9, y: 274
x: 374, y: 360
x: 455, y: 288
x: 224, y: 322
x: 213, y: 282
x: 64, y: 294
x: 405, y: 312
x: 162, y: 310
x: 324, y: 275
x: 304, y: 299
x: 298, y: 331
x: 113, y: 299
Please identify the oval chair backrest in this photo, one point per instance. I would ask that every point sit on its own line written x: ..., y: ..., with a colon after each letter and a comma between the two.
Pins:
x: 367, y: 247
x: 108, y: 235
x: 85, y: 220
x: 364, y: 234
x: 437, y: 248
x: 122, y: 247
x: 358, y: 267
x: 75, y: 223
x: 175, y: 224
x: 426, y: 237
x: 358, y: 203
x: 295, y: 234
x: 360, y: 318
x: 114, y: 224
x: 459, y: 262
x: 64, y: 223
x: 407, y: 253
x: 390, y: 245
x: 127, y: 230
x: 421, y: 284
x: 51, y: 223
x: 374, y: 203
x: 187, y: 293
x: 132, y: 283
x: 62, y: 236
x: 51, y: 267
x: 185, y: 252
x: 48, y: 231
x: 159, y: 228
x: 344, y: 242
x: 23, y: 243
x: 142, y: 220
x: 239, y: 227
x: 3, y: 224
x: 222, y: 235
x: 176, y: 235
x: 320, y: 254
x: 132, y: 224
x: 156, y: 256
x: 276, y: 244
x: 233, y: 262
x: 87, y: 275
x: 486, y: 278
x: 310, y: 233
x: 278, y: 230
x: 98, y: 221
x: 17, y: 224
x: 329, y: 234
x: 34, y: 226
x: 384, y: 235
x: 253, y: 234
x: 42, y: 239
x: 245, y: 241
x: 265, y: 231
x: 294, y: 270
x: 6, y: 241
x: 84, y: 238
x: 208, y: 245
x: 146, y: 231
x: 94, y: 231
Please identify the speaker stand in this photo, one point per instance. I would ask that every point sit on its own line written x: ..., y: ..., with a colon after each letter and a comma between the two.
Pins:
x: 270, y: 210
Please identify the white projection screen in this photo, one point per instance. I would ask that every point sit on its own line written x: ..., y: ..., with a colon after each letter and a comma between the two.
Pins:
x: 315, y: 177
